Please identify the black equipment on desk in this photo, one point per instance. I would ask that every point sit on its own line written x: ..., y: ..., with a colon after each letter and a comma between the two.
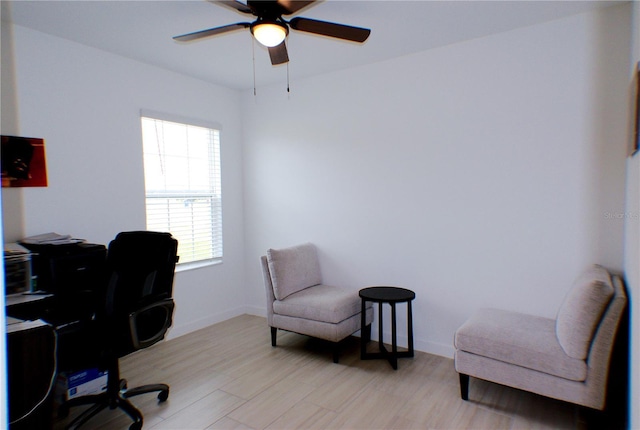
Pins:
x: 74, y: 273
x: 17, y: 269
x: 63, y: 268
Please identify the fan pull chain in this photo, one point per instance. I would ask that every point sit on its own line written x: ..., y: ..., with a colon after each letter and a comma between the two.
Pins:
x: 288, y: 81
x: 253, y: 55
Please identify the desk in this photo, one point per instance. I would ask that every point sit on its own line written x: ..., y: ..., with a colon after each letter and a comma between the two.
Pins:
x: 66, y: 271
x: 31, y: 366
x: 30, y: 360
x: 24, y: 298
x: 27, y: 306
x: 390, y: 295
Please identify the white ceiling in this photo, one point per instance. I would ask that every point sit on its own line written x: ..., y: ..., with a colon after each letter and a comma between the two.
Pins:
x: 143, y: 30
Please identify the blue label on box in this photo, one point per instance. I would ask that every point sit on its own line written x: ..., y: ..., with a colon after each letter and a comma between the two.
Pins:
x: 79, y: 378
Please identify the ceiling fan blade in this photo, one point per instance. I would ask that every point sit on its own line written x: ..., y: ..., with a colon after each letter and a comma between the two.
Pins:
x: 235, y: 5
x: 279, y: 54
x: 211, y: 32
x: 293, y: 6
x: 331, y: 29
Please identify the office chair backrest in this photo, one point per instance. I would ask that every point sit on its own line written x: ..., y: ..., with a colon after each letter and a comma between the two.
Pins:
x: 140, y: 268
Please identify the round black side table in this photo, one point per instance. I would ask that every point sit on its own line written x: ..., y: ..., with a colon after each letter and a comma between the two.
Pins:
x: 390, y: 295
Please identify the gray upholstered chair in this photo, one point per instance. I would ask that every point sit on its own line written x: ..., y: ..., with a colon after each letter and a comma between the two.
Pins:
x: 567, y: 358
x: 299, y: 302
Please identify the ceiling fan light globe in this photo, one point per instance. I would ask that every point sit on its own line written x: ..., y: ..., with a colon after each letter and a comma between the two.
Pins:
x: 268, y: 34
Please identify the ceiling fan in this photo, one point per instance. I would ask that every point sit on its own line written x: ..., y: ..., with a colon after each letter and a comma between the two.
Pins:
x: 270, y: 29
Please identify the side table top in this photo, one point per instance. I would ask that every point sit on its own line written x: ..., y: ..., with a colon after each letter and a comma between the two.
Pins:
x: 387, y: 294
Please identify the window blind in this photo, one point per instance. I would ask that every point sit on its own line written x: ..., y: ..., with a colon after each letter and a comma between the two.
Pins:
x: 183, y: 186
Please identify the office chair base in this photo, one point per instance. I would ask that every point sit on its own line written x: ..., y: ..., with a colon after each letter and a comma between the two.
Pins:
x: 111, y: 401
x: 152, y: 388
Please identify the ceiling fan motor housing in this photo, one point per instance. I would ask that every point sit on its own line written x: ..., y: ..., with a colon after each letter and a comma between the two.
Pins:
x: 269, y: 32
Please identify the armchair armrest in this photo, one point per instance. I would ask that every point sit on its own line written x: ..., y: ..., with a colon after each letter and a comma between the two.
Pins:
x: 149, y: 324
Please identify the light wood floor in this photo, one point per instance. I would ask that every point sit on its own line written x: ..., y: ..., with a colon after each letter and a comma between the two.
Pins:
x: 228, y: 376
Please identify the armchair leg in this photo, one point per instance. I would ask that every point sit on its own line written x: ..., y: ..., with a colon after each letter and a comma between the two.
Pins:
x: 274, y: 332
x: 464, y: 386
x: 336, y: 352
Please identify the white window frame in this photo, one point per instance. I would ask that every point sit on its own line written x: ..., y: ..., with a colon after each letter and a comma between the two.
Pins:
x: 213, y: 193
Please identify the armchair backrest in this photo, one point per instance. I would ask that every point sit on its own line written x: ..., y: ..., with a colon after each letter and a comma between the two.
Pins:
x: 602, y: 347
x: 582, y: 310
x: 293, y: 269
x: 138, y: 307
x: 268, y: 287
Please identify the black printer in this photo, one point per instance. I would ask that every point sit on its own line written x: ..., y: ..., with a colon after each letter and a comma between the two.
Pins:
x: 66, y: 268
x: 74, y: 273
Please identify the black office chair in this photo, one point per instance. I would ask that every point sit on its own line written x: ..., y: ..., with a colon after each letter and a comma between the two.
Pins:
x: 136, y: 312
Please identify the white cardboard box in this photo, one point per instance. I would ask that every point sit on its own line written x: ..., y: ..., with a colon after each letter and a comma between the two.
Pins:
x: 84, y: 382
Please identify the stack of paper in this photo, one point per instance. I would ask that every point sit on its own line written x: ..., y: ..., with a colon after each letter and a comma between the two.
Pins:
x: 50, y: 239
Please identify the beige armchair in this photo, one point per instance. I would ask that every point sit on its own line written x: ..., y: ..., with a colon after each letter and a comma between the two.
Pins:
x: 299, y: 302
x: 567, y: 358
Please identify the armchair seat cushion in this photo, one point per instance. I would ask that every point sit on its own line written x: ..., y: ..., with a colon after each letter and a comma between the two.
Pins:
x: 320, y: 303
x: 523, y: 340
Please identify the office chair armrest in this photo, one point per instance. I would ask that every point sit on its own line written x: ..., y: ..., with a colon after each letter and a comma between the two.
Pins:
x: 158, y: 310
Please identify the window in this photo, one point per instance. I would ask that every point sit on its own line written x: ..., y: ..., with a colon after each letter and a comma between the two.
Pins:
x: 182, y: 182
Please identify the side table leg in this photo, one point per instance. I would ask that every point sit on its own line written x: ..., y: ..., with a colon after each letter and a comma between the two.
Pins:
x: 410, y: 328
x: 380, y: 337
x: 363, y: 338
x: 393, y: 359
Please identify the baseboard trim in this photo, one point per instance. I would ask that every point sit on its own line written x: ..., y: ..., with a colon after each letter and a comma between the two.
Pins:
x: 181, y: 330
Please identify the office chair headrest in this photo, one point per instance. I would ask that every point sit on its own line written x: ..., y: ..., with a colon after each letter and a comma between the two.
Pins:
x: 144, y: 239
x: 142, y: 235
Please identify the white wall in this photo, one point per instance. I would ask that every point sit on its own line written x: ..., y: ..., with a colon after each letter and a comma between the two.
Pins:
x: 12, y: 198
x: 632, y: 232
x: 86, y: 104
x: 486, y: 173
x: 8, y: 125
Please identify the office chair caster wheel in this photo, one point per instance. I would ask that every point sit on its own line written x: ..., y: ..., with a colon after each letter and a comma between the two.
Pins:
x: 163, y: 395
x: 136, y: 426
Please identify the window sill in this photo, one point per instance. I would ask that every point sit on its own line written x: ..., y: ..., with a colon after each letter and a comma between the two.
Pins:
x: 197, y: 265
